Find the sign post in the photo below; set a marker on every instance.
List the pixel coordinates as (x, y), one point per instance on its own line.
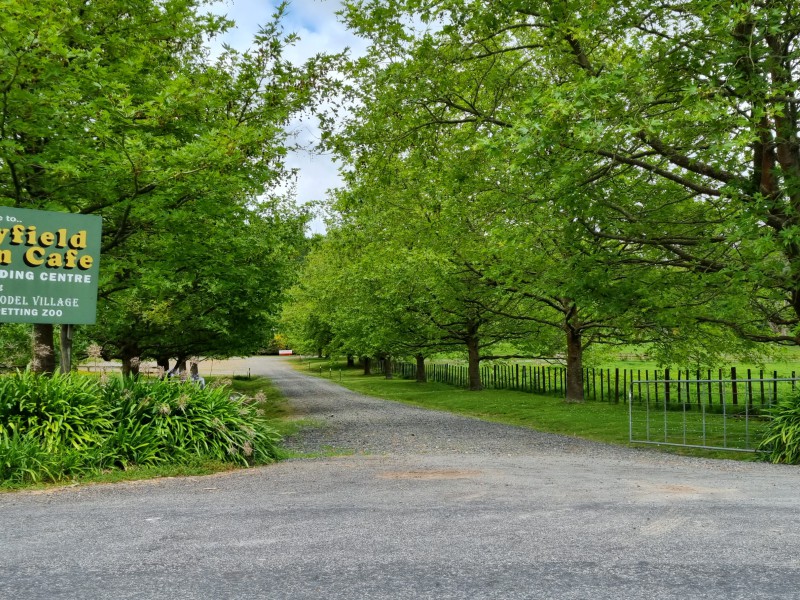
(49, 266)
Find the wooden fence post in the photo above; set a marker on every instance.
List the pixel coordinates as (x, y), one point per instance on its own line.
(775, 385)
(601, 385)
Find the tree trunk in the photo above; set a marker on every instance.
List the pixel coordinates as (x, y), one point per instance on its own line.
(387, 367)
(422, 376)
(44, 353)
(180, 368)
(574, 365)
(474, 365)
(126, 366)
(319, 352)
(163, 364)
(66, 348)
(130, 366)
(351, 360)
(367, 365)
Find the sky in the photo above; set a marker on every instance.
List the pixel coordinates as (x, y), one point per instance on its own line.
(316, 24)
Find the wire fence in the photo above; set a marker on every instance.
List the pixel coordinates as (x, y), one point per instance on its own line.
(723, 414)
(607, 384)
(711, 409)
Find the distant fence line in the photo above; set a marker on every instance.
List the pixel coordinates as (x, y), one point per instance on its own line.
(538, 379)
(679, 386)
(725, 409)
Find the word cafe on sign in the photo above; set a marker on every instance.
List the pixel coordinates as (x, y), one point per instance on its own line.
(49, 266)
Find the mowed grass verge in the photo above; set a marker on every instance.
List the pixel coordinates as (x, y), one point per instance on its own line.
(598, 421)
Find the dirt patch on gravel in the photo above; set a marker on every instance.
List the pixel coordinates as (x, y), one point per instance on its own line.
(428, 474)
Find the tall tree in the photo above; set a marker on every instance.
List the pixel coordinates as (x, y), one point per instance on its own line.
(517, 252)
(676, 124)
(213, 289)
(114, 108)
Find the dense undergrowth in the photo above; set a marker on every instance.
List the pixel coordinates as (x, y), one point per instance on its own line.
(71, 426)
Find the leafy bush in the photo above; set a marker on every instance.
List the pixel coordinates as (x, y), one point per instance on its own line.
(57, 427)
(60, 410)
(23, 459)
(15, 344)
(165, 421)
(782, 438)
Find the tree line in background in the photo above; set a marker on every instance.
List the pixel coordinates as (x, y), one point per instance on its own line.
(542, 176)
(117, 109)
(555, 175)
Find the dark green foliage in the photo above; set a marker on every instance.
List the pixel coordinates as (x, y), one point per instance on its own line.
(60, 411)
(168, 421)
(15, 344)
(24, 459)
(68, 426)
(782, 440)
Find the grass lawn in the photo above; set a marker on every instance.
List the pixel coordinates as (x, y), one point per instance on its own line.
(599, 421)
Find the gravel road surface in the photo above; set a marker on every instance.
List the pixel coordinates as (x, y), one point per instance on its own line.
(431, 505)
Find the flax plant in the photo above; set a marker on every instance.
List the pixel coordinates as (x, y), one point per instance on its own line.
(66, 426)
(782, 439)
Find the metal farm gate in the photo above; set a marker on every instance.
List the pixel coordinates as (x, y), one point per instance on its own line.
(718, 414)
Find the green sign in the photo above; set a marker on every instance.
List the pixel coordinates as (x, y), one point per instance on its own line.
(49, 266)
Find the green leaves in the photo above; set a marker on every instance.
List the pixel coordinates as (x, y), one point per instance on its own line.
(58, 410)
(165, 421)
(782, 440)
(664, 133)
(66, 426)
(114, 108)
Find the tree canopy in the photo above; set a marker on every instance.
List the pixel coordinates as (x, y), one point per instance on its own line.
(116, 108)
(628, 171)
(669, 129)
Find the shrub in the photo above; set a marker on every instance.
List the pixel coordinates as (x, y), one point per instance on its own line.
(59, 411)
(23, 459)
(167, 421)
(65, 426)
(782, 438)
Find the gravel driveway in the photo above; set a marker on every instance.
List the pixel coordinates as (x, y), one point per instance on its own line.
(431, 505)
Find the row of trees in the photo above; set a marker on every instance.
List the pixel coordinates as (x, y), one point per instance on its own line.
(116, 108)
(561, 174)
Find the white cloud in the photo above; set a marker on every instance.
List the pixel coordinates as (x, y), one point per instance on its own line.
(315, 22)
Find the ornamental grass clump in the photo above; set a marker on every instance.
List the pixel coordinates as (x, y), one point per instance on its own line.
(66, 426)
(59, 411)
(167, 421)
(782, 438)
(49, 427)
